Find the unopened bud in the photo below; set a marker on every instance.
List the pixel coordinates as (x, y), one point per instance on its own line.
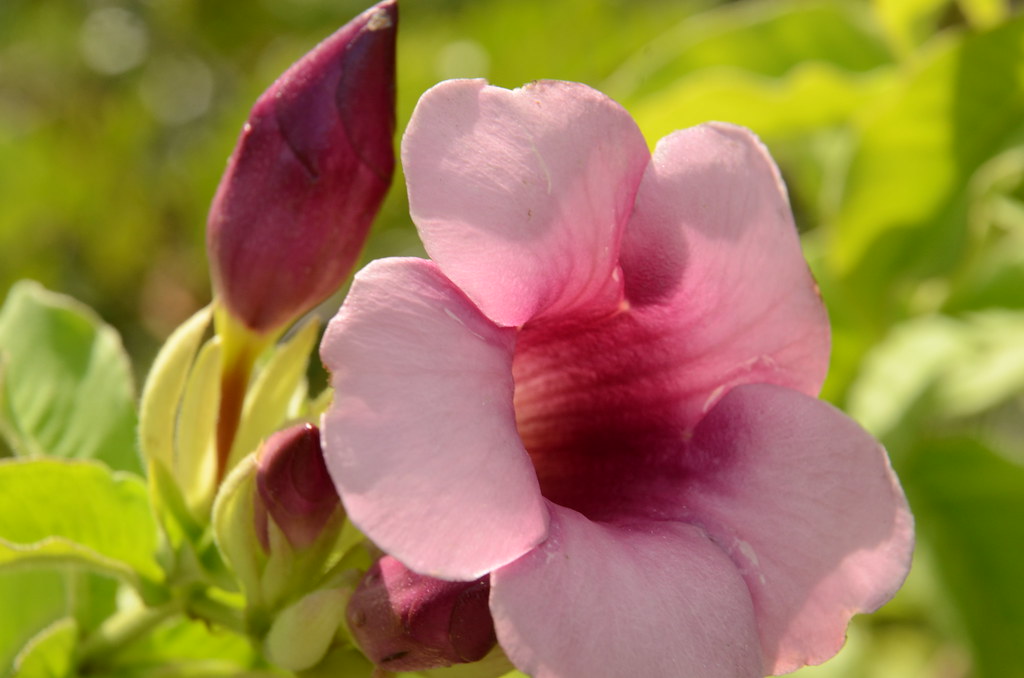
(405, 621)
(307, 177)
(294, 488)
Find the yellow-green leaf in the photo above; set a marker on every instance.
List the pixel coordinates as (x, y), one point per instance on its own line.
(55, 511)
(67, 382)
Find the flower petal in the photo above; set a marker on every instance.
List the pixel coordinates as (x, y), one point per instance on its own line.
(711, 256)
(520, 196)
(806, 504)
(656, 599)
(421, 439)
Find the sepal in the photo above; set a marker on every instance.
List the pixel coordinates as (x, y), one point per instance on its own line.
(234, 529)
(278, 392)
(165, 385)
(302, 632)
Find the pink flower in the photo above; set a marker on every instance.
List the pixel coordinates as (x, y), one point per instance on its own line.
(307, 177)
(601, 392)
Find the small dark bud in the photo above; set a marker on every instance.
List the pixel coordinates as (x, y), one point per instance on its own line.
(293, 487)
(405, 621)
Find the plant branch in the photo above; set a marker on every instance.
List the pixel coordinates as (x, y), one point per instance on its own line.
(124, 627)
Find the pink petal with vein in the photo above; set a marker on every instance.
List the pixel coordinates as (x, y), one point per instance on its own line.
(421, 439)
(520, 196)
(805, 503)
(655, 599)
(711, 258)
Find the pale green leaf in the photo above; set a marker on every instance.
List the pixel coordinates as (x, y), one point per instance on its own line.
(937, 366)
(79, 513)
(31, 600)
(50, 653)
(811, 95)
(990, 368)
(67, 383)
(762, 38)
(900, 370)
(58, 552)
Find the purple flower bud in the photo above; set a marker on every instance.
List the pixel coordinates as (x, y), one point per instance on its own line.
(293, 487)
(405, 621)
(307, 177)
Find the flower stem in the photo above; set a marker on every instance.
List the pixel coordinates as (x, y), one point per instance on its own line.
(219, 613)
(242, 346)
(234, 381)
(122, 628)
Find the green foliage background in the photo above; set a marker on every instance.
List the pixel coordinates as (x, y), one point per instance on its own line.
(898, 124)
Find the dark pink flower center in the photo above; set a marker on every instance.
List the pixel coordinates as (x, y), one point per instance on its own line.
(596, 406)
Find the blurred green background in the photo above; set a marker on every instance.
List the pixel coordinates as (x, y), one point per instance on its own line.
(898, 124)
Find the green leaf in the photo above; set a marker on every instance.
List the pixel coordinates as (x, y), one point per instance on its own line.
(908, 23)
(67, 384)
(995, 279)
(805, 117)
(33, 599)
(968, 501)
(994, 275)
(811, 95)
(78, 513)
(185, 647)
(50, 654)
(898, 372)
(767, 39)
(904, 214)
(991, 368)
(30, 600)
(985, 13)
(936, 367)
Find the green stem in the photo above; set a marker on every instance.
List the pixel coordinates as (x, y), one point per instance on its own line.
(218, 613)
(123, 628)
